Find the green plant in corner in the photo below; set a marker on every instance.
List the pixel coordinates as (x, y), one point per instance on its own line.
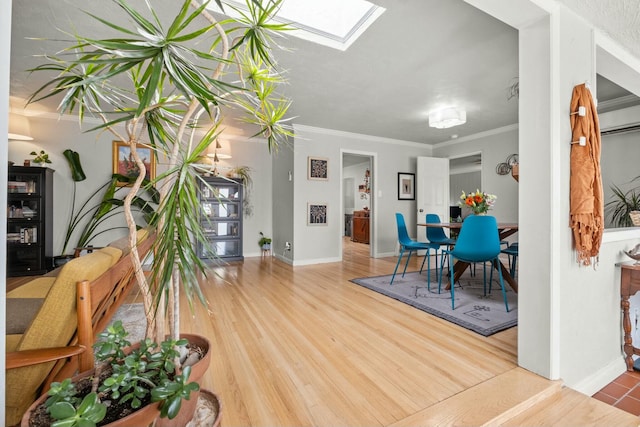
(41, 157)
(151, 85)
(264, 242)
(623, 203)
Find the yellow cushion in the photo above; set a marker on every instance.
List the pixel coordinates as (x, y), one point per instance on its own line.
(36, 288)
(11, 341)
(53, 326)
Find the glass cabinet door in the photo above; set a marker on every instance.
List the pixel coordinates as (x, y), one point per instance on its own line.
(221, 219)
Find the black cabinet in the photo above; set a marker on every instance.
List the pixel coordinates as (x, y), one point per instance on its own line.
(29, 220)
(221, 218)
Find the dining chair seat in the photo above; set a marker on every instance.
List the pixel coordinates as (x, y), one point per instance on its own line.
(409, 245)
(478, 241)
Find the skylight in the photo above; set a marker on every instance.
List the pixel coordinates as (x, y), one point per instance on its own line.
(333, 23)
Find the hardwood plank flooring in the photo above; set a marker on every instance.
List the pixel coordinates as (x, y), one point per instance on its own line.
(304, 346)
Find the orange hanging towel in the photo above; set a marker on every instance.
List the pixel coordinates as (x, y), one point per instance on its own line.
(587, 206)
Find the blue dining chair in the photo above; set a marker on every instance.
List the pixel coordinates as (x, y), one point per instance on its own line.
(512, 252)
(437, 235)
(478, 241)
(410, 245)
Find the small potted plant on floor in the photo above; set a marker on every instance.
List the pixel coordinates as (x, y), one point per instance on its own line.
(264, 242)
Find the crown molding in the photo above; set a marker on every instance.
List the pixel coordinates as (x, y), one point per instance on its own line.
(345, 134)
(496, 131)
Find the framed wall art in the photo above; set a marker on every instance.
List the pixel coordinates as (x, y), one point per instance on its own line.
(316, 214)
(318, 168)
(406, 186)
(124, 164)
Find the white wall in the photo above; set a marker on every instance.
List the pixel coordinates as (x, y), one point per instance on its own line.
(282, 177)
(315, 244)
(495, 146)
(620, 154)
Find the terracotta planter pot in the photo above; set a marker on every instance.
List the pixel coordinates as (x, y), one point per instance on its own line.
(209, 410)
(141, 417)
(151, 412)
(188, 407)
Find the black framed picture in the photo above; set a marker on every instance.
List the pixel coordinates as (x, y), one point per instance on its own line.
(318, 168)
(316, 214)
(406, 186)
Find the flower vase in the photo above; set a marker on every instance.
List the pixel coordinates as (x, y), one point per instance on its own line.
(481, 214)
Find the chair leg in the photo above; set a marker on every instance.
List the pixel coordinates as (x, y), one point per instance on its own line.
(423, 260)
(504, 293)
(452, 279)
(407, 263)
(428, 255)
(442, 257)
(397, 264)
(484, 278)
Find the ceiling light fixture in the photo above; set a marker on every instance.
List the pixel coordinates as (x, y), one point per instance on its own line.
(19, 128)
(447, 117)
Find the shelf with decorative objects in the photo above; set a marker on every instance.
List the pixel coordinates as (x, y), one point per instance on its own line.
(29, 220)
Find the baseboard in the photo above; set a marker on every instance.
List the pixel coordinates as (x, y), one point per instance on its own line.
(315, 261)
(594, 383)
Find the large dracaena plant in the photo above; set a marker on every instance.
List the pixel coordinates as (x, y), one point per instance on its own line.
(173, 101)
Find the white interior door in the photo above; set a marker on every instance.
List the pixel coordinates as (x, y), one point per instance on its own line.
(432, 191)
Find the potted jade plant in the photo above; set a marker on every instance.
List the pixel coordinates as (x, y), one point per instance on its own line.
(166, 87)
(126, 378)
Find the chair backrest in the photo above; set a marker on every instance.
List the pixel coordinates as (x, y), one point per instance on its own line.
(435, 234)
(403, 236)
(478, 239)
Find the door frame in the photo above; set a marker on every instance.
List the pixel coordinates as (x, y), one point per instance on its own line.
(373, 223)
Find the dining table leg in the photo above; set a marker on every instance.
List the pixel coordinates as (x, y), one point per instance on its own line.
(506, 275)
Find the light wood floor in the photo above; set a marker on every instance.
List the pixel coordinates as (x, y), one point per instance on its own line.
(303, 346)
(297, 346)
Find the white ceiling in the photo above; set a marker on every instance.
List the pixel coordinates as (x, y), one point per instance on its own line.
(418, 56)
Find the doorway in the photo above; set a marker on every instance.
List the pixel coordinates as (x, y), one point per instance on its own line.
(465, 174)
(357, 200)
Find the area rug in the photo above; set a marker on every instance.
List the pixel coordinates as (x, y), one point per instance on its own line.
(484, 315)
(133, 320)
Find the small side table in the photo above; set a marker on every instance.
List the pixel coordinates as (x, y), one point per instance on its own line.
(266, 252)
(629, 285)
